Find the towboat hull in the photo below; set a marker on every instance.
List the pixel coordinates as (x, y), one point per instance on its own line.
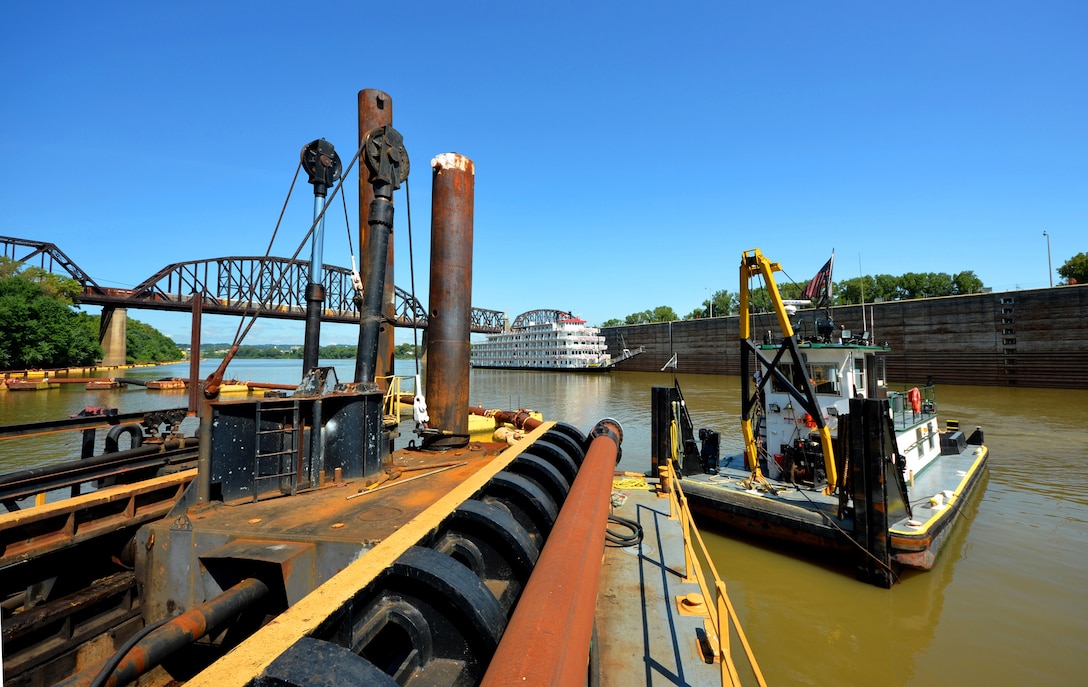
(810, 518)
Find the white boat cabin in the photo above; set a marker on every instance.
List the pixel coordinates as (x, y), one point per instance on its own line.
(840, 370)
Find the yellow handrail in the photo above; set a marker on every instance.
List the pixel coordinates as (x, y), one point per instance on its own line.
(694, 565)
(392, 403)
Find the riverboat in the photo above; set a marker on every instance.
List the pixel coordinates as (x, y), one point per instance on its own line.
(833, 458)
(550, 340)
(297, 540)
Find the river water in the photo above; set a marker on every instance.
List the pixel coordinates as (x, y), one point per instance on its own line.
(1006, 604)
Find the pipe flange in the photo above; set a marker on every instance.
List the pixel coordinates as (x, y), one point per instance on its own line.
(612, 429)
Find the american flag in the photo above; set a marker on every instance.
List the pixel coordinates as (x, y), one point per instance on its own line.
(821, 283)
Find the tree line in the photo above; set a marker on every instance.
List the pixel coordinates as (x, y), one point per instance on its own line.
(868, 289)
(40, 327)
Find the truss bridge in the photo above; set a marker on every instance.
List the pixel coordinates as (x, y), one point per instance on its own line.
(239, 285)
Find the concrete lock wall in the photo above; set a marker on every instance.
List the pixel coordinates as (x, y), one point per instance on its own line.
(1032, 338)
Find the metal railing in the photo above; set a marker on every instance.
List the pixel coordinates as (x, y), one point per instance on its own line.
(393, 403)
(904, 412)
(699, 567)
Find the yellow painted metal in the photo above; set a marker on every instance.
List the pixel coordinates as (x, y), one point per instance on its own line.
(980, 458)
(829, 459)
(752, 264)
(722, 616)
(254, 655)
(751, 458)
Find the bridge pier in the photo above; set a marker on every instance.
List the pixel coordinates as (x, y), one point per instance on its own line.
(113, 335)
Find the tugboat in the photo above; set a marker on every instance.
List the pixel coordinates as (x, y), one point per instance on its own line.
(833, 458)
(306, 547)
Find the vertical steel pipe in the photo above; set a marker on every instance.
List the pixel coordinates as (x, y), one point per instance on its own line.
(367, 357)
(376, 110)
(450, 317)
(194, 353)
(548, 638)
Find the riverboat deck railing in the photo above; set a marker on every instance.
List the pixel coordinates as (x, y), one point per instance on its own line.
(723, 623)
(913, 406)
(393, 404)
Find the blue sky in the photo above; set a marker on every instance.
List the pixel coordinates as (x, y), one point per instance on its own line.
(626, 152)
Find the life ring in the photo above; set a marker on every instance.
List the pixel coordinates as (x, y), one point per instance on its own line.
(915, 398)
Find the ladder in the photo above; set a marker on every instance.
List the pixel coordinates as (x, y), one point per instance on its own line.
(281, 437)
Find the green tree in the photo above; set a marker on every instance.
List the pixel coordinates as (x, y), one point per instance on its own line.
(612, 323)
(856, 290)
(661, 313)
(1075, 269)
(910, 285)
(39, 330)
(720, 304)
(64, 289)
(145, 344)
(966, 282)
(759, 300)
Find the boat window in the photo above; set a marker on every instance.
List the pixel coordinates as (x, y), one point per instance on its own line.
(787, 370)
(825, 378)
(859, 377)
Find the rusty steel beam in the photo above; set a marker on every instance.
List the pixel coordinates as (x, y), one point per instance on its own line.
(90, 421)
(33, 532)
(518, 418)
(38, 480)
(548, 637)
(448, 347)
(177, 633)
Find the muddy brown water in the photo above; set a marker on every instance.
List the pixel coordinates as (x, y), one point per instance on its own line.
(1006, 604)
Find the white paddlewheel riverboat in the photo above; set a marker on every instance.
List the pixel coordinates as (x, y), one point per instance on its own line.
(544, 340)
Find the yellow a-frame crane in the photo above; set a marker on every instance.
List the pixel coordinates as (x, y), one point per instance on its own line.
(754, 264)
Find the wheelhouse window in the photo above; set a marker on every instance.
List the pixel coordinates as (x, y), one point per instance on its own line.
(824, 378)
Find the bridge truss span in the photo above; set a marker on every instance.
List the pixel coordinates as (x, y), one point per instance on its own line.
(266, 286)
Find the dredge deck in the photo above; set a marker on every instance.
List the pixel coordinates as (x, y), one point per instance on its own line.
(649, 631)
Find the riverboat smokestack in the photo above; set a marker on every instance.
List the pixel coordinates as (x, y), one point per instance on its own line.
(449, 319)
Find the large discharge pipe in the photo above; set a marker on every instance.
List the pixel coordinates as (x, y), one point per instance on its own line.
(548, 638)
(449, 320)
